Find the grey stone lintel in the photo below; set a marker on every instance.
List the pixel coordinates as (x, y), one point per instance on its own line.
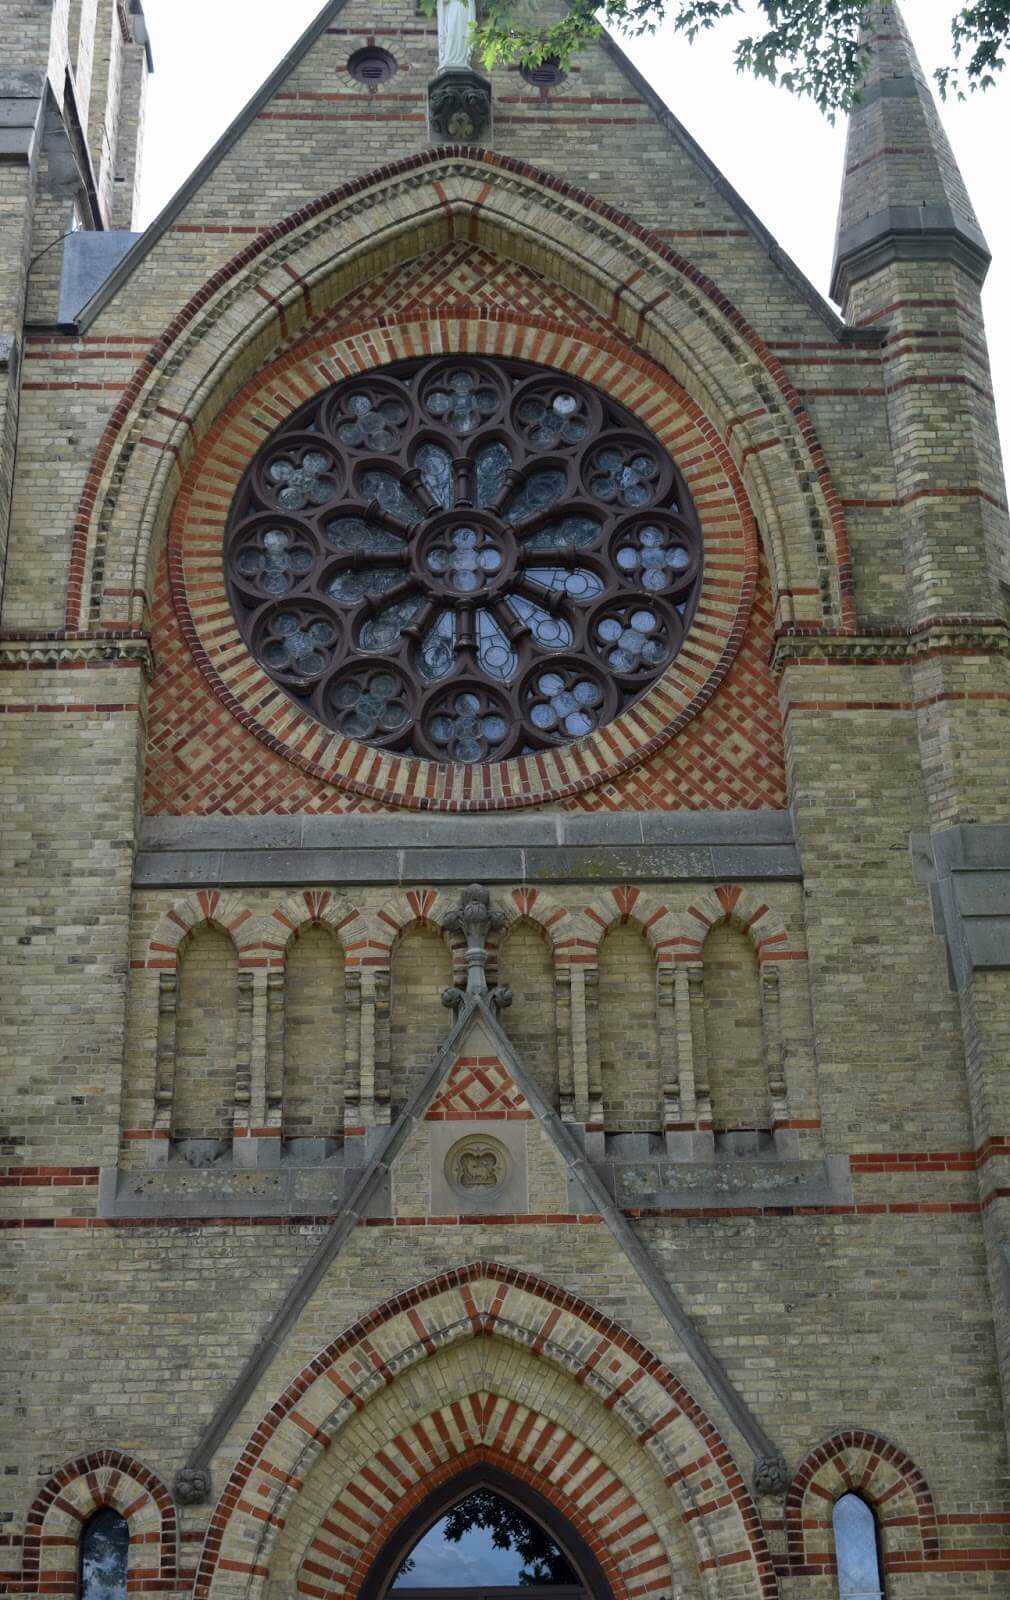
(967, 868)
(542, 847)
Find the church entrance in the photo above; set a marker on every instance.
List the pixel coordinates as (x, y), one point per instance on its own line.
(486, 1536)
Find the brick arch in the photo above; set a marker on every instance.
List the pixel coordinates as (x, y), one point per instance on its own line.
(626, 906)
(426, 908)
(626, 1544)
(69, 1499)
(485, 1299)
(743, 910)
(268, 290)
(287, 921)
(206, 908)
(862, 1462)
(532, 905)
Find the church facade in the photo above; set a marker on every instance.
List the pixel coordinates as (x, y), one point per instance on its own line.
(505, 889)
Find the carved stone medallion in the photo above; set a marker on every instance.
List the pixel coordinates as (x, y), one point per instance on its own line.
(477, 1162)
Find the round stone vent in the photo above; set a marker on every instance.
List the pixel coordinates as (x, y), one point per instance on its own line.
(371, 66)
(545, 75)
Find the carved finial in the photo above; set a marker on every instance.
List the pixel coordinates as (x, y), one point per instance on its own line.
(192, 1486)
(475, 918)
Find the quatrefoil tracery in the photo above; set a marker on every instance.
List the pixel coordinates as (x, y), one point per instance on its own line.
(463, 559)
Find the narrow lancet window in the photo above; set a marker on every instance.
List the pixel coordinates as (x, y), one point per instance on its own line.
(105, 1548)
(857, 1550)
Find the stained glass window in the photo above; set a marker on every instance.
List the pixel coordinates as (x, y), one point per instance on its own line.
(463, 559)
(857, 1550)
(105, 1548)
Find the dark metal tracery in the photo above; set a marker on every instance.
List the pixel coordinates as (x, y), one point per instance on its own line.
(463, 559)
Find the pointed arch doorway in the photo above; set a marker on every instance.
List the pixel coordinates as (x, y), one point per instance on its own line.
(485, 1535)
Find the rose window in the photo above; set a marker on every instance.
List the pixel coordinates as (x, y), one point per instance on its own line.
(463, 559)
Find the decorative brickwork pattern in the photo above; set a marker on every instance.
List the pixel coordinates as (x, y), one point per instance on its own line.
(479, 1088)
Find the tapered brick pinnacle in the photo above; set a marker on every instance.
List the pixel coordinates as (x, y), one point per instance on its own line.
(903, 197)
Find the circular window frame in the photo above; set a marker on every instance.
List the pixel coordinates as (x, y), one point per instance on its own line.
(333, 515)
(200, 601)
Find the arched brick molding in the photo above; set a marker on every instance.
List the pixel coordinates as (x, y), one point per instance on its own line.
(293, 271)
(306, 909)
(625, 905)
(861, 1462)
(553, 920)
(427, 907)
(208, 907)
(494, 1430)
(361, 1367)
(764, 926)
(71, 1497)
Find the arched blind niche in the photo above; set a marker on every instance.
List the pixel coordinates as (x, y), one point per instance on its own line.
(421, 968)
(736, 1072)
(105, 1548)
(314, 1015)
(206, 1037)
(857, 1550)
(525, 963)
(629, 1034)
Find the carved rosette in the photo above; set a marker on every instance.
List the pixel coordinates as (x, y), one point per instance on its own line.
(459, 105)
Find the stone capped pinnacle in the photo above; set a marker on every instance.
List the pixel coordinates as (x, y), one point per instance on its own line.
(903, 197)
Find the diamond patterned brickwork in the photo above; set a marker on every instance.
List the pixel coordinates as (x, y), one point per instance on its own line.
(203, 759)
(479, 1088)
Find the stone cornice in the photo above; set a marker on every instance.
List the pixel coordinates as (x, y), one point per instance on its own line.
(63, 651)
(893, 646)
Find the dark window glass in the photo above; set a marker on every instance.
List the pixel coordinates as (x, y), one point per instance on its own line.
(857, 1550)
(105, 1548)
(418, 554)
(485, 1541)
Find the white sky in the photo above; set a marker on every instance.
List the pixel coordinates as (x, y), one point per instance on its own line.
(779, 153)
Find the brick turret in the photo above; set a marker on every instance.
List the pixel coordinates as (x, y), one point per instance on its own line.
(910, 258)
(903, 197)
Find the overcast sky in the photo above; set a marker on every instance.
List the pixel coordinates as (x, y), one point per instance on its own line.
(781, 155)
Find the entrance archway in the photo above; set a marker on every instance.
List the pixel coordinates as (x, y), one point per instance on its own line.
(573, 1559)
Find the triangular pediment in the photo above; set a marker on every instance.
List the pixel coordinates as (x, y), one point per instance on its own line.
(310, 123)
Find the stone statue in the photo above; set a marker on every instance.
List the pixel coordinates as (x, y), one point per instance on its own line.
(455, 20)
